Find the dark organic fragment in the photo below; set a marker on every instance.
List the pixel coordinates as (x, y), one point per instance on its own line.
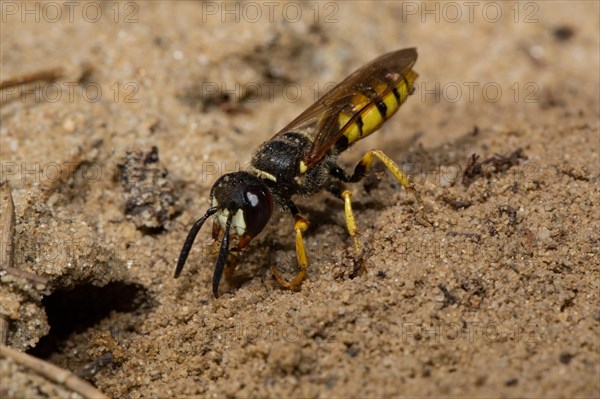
(499, 163)
(150, 200)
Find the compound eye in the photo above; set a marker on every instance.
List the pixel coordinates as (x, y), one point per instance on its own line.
(258, 206)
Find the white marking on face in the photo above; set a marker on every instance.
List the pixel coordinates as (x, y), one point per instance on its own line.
(222, 216)
(238, 224)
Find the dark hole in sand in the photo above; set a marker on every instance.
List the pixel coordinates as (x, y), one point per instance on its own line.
(75, 310)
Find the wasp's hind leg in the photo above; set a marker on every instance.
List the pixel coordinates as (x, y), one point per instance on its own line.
(363, 167)
(360, 171)
(346, 196)
(300, 226)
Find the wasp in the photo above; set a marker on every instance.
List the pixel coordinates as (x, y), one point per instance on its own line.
(301, 160)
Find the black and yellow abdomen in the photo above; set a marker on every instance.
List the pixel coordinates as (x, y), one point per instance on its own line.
(369, 110)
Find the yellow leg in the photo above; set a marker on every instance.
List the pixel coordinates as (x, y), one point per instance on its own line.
(300, 226)
(361, 169)
(351, 226)
(350, 222)
(365, 165)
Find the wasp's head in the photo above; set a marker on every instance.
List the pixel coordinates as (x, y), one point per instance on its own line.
(243, 198)
(240, 201)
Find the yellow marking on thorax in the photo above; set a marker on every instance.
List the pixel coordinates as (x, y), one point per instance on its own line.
(302, 167)
(261, 174)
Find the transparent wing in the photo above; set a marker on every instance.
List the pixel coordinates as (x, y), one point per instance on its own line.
(321, 120)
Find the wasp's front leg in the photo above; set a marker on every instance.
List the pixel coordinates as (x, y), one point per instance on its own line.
(300, 226)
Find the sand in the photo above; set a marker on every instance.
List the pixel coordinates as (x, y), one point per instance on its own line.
(490, 289)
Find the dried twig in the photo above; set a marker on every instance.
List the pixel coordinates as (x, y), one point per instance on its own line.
(50, 75)
(3, 330)
(7, 232)
(7, 226)
(7, 250)
(53, 373)
(7, 237)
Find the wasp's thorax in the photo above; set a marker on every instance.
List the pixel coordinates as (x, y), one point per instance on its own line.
(245, 199)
